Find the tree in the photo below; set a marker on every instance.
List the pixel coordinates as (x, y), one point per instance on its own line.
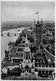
(18, 39)
(6, 55)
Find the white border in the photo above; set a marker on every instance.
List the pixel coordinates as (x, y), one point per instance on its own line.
(55, 32)
(28, 0)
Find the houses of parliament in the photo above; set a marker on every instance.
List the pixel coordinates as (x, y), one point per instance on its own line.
(29, 55)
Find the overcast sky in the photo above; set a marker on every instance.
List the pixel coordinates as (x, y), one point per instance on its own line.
(25, 11)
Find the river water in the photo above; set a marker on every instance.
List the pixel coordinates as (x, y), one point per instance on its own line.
(6, 39)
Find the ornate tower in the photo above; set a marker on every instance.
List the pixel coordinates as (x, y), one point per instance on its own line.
(38, 33)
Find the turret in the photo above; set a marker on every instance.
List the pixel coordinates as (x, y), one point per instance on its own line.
(34, 22)
(37, 21)
(41, 21)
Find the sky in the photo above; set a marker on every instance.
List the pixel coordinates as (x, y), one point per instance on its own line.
(25, 11)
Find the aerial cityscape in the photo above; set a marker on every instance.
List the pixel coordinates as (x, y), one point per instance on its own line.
(27, 45)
